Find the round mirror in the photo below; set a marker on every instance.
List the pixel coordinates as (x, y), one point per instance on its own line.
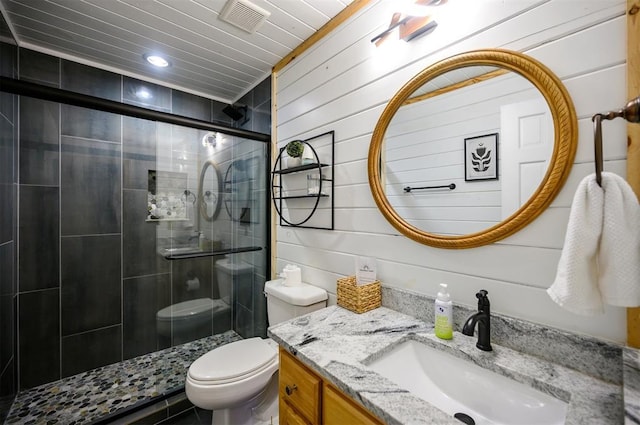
(210, 188)
(472, 149)
(238, 187)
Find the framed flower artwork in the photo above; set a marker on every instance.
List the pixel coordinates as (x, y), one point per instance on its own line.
(481, 157)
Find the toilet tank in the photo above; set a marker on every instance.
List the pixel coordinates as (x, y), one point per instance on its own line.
(287, 302)
(226, 271)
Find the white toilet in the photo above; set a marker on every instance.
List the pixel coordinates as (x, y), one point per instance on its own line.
(190, 320)
(239, 381)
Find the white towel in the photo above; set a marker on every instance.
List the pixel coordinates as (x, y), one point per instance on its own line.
(600, 261)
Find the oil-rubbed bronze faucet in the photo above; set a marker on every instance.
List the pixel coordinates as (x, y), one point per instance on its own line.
(483, 319)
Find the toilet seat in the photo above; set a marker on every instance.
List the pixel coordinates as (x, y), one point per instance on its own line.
(233, 362)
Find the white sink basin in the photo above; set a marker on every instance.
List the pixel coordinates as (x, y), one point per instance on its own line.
(458, 386)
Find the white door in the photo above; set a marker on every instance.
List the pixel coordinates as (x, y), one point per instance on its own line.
(526, 144)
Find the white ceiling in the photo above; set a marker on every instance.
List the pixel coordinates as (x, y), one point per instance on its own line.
(209, 57)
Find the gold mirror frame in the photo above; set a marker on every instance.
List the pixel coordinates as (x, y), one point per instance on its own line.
(565, 144)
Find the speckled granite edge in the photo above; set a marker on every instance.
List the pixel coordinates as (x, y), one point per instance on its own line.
(585, 354)
(339, 345)
(631, 370)
(99, 393)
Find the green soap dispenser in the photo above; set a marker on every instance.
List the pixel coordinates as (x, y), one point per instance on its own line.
(444, 314)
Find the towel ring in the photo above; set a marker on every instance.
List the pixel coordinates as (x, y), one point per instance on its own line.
(631, 113)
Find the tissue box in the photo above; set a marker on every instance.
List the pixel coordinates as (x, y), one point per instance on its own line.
(358, 298)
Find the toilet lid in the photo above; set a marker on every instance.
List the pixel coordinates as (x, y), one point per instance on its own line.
(302, 294)
(233, 361)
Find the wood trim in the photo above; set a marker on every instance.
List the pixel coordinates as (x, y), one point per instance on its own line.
(633, 137)
(274, 155)
(345, 14)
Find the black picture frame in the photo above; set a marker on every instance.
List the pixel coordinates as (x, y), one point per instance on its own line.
(481, 157)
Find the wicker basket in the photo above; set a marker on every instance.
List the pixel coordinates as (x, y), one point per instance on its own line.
(358, 298)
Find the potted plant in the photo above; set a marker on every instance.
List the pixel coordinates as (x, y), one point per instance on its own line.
(294, 150)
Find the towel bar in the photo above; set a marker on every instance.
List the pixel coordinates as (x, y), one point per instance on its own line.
(631, 113)
(446, 186)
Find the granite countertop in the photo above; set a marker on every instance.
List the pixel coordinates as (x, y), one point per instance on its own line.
(338, 344)
(631, 370)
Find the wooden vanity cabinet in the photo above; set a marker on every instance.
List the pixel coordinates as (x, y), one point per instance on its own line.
(300, 392)
(289, 416)
(306, 399)
(340, 409)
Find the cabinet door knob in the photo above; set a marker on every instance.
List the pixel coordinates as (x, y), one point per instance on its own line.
(290, 389)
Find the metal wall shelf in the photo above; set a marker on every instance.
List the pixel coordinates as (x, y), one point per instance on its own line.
(322, 195)
(299, 168)
(277, 190)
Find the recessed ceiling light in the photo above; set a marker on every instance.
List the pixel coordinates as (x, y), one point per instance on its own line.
(156, 60)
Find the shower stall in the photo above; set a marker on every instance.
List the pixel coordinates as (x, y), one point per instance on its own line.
(141, 221)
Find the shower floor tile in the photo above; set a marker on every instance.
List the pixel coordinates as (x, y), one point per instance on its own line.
(92, 395)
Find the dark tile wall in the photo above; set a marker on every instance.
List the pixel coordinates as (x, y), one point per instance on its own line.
(89, 350)
(39, 328)
(251, 309)
(188, 105)
(148, 95)
(259, 108)
(139, 242)
(91, 194)
(39, 238)
(143, 297)
(91, 280)
(90, 296)
(8, 225)
(139, 144)
(39, 142)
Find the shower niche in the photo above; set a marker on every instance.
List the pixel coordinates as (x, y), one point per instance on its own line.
(167, 196)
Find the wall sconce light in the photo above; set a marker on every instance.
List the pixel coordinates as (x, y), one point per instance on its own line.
(416, 22)
(211, 139)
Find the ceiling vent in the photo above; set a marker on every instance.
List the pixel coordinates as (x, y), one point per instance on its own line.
(244, 15)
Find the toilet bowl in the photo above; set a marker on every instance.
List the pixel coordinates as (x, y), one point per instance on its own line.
(189, 320)
(193, 319)
(233, 379)
(239, 380)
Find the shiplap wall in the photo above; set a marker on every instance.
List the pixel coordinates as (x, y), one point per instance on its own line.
(343, 83)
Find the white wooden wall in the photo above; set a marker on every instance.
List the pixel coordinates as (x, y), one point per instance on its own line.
(343, 83)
